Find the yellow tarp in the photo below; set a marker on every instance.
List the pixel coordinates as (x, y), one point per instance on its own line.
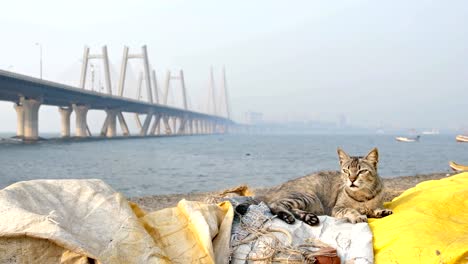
(429, 224)
(85, 221)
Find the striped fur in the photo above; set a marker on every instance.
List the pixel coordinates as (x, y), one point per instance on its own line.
(353, 194)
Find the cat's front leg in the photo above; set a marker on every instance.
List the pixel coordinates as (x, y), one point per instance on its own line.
(306, 217)
(349, 214)
(379, 213)
(282, 212)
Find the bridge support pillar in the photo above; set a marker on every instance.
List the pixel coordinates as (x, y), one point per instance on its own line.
(123, 124)
(188, 127)
(192, 127)
(174, 124)
(104, 126)
(111, 122)
(81, 112)
(205, 127)
(182, 126)
(145, 127)
(65, 113)
(197, 126)
(31, 116)
(19, 120)
(138, 122)
(167, 127)
(155, 128)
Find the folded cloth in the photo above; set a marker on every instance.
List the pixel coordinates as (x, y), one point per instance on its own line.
(429, 224)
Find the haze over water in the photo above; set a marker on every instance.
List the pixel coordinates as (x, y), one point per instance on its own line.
(381, 64)
(165, 165)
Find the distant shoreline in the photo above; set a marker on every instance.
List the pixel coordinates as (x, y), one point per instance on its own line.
(393, 187)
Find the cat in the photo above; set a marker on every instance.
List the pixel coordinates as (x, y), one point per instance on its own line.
(353, 194)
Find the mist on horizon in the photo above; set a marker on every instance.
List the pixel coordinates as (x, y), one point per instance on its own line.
(392, 65)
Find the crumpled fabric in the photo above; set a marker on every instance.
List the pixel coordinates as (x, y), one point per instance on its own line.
(193, 232)
(429, 224)
(86, 221)
(264, 235)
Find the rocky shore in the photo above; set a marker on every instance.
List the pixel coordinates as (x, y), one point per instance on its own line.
(393, 188)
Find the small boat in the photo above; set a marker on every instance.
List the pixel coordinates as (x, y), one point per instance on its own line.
(461, 138)
(408, 139)
(457, 167)
(431, 132)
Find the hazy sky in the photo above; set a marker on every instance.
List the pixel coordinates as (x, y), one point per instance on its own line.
(392, 63)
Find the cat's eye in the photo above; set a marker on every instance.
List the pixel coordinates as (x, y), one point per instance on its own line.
(346, 171)
(362, 171)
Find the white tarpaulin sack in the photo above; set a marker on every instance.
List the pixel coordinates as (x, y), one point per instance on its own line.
(71, 221)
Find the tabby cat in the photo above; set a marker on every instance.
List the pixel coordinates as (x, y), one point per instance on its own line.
(353, 194)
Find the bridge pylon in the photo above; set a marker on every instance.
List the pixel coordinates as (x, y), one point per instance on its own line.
(146, 69)
(217, 103)
(183, 120)
(108, 128)
(148, 77)
(105, 60)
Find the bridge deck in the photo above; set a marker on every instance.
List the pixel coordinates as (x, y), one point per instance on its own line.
(13, 85)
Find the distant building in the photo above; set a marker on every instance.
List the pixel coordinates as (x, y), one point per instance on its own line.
(342, 121)
(253, 118)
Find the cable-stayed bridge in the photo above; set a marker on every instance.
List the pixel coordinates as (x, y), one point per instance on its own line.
(29, 93)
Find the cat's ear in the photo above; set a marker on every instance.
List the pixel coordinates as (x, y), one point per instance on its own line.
(373, 156)
(342, 156)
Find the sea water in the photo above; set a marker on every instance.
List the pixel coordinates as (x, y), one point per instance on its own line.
(164, 165)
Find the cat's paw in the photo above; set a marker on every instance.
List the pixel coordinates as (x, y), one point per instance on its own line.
(379, 213)
(287, 217)
(356, 219)
(309, 218)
